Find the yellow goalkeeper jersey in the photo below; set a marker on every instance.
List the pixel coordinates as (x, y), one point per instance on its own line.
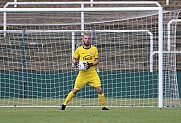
(87, 54)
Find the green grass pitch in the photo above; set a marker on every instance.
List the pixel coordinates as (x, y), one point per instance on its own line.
(90, 115)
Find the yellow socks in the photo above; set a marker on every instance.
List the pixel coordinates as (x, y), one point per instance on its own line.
(69, 97)
(102, 99)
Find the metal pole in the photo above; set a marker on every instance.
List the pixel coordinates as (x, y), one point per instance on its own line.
(15, 5)
(167, 2)
(91, 3)
(160, 64)
(82, 18)
(168, 32)
(22, 63)
(108, 9)
(73, 45)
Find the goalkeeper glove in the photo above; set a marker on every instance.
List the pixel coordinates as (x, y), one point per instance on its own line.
(85, 64)
(89, 65)
(77, 64)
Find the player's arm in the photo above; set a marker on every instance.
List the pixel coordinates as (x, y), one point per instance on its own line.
(95, 62)
(92, 64)
(76, 56)
(74, 60)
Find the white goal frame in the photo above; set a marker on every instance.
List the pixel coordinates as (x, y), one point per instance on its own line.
(111, 9)
(82, 5)
(168, 33)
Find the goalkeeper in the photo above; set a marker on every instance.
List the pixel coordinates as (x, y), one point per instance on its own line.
(88, 74)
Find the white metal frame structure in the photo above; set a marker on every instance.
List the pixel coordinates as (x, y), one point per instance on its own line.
(168, 33)
(82, 5)
(168, 43)
(110, 9)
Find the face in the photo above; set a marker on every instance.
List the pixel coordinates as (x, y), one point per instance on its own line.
(86, 40)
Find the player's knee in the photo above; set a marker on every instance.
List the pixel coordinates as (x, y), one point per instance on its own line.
(74, 91)
(99, 90)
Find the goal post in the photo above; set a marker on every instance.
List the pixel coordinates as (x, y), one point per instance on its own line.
(32, 41)
(124, 44)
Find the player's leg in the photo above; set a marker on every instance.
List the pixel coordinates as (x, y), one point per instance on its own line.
(101, 97)
(79, 83)
(69, 97)
(97, 84)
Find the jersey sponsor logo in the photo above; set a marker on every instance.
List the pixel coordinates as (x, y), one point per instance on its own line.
(88, 57)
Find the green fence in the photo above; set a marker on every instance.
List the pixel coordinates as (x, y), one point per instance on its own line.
(57, 85)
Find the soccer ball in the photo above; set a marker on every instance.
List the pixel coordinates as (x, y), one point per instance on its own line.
(82, 65)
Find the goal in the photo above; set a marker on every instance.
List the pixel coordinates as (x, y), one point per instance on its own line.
(36, 55)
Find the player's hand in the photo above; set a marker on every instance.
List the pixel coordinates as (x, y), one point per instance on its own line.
(76, 64)
(83, 65)
(89, 65)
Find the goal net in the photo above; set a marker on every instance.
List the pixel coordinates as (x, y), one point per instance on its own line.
(36, 58)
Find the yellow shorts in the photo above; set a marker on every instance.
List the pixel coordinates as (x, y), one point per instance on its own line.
(87, 77)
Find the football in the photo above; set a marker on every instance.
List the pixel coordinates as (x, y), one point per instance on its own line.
(82, 65)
